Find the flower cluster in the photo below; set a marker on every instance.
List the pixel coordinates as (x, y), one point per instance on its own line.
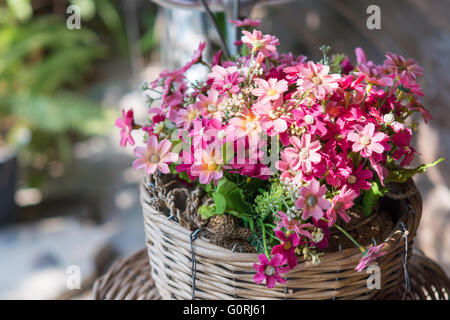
(284, 143)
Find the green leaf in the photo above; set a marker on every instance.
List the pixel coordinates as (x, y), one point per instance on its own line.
(371, 197)
(401, 175)
(207, 212)
(220, 201)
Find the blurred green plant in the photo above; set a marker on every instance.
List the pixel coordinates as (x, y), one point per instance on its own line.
(41, 62)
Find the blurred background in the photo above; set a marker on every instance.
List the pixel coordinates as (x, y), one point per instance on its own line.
(68, 193)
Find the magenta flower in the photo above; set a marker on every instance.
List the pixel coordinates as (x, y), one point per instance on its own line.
(340, 204)
(287, 247)
(366, 140)
(310, 118)
(312, 200)
(126, 125)
(304, 153)
(155, 157)
(402, 140)
(359, 179)
(269, 90)
(229, 83)
(315, 78)
(270, 270)
(369, 256)
(374, 74)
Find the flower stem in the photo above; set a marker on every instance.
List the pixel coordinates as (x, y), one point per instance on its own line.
(264, 238)
(347, 235)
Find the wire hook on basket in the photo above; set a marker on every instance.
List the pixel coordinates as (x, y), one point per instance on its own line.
(194, 236)
(405, 261)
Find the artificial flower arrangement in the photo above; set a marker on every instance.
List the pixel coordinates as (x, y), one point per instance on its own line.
(283, 143)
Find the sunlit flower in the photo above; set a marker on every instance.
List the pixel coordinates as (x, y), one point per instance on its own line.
(208, 167)
(266, 44)
(366, 140)
(369, 256)
(269, 90)
(304, 153)
(155, 156)
(126, 125)
(340, 204)
(315, 78)
(312, 200)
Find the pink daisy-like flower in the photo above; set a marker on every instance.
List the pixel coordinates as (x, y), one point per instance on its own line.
(287, 247)
(403, 67)
(270, 270)
(366, 140)
(209, 105)
(208, 166)
(126, 125)
(155, 156)
(369, 256)
(266, 44)
(304, 153)
(185, 117)
(270, 120)
(374, 75)
(293, 225)
(310, 118)
(229, 83)
(359, 179)
(312, 200)
(269, 90)
(247, 125)
(340, 204)
(315, 77)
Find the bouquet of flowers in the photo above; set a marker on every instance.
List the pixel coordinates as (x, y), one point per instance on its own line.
(283, 143)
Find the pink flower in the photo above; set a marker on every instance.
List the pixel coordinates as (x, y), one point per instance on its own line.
(209, 105)
(340, 204)
(269, 90)
(293, 225)
(312, 200)
(366, 140)
(208, 166)
(246, 23)
(310, 118)
(402, 140)
(266, 44)
(246, 125)
(403, 67)
(230, 83)
(185, 117)
(359, 179)
(304, 153)
(270, 271)
(374, 75)
(287, 247)
(126, 126)
(315, 77)
(369, 256)
(155, 157)
(271, 120)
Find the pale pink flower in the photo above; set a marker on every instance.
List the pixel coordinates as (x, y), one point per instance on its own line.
(369, 256)
(304, 153)
(312, 200)
(366, 140)
(293, 224)
(269, 90)
(266, 44)
(126, 125)
(208, 167)
(155, 156)
(185, 117)
(340, 204)
(209, 105)
(315, 77)
(245, 125)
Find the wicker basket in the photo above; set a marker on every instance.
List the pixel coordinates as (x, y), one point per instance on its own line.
(184, 267)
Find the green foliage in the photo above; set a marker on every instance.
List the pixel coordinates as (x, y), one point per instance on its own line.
(402, 174)
(228, 196)
(269, 202)
(207, 212)
(371, 197)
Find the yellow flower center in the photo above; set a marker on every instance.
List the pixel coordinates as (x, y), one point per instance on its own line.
(212, 166)
(317, 81)
(364, 140)
(272, 92)
(155, 158)
(287, 245)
